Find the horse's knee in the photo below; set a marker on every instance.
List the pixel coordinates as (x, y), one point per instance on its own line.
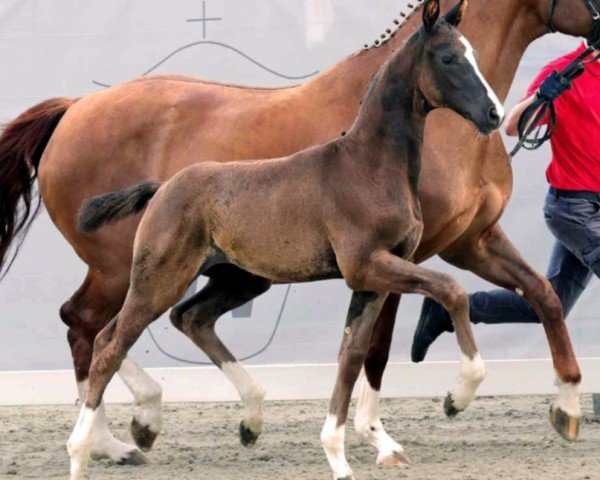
(176, 317)
(68, 314)
(191, 321)
(553, 305)
(454, 298)
(545, 295)
(357, 280)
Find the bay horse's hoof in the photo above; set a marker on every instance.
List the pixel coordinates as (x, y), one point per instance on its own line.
(247, 436)
(135, 458)
(449, 409)
(566, 425)
(395, 459)
(142, 435)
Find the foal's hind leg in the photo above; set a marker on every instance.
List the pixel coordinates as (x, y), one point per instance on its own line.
(367, 421)
(361, 319)
(228, 288)
(162, 270)
(86, 313)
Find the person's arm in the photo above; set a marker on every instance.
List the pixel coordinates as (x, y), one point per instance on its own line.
(548, 88)
(511, 127)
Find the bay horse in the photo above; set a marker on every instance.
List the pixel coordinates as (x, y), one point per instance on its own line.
(149, 129)
(346, 209)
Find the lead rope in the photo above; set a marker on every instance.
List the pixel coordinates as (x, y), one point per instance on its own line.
(532, 135)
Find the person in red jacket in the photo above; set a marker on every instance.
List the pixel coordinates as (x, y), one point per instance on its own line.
(571, 211)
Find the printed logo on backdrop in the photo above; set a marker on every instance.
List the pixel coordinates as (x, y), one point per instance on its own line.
(208, 21)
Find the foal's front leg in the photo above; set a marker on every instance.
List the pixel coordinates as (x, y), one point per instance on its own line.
(387, 272)
(361, 319)
(494, 258)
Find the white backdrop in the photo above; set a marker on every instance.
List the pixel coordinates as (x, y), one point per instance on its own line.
(68, 47)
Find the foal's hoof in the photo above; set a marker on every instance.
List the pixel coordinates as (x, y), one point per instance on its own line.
(395, 459)
(247, 436)
(142, 435)
(449, 409)
(564, 424)
(135, 458)
(346, 478)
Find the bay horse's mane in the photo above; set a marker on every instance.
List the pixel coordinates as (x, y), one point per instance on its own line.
(398, 24)
(381, 40)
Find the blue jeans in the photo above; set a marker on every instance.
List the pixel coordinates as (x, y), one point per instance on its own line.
(575, 223)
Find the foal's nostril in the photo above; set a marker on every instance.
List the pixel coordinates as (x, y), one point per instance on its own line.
(493, 115)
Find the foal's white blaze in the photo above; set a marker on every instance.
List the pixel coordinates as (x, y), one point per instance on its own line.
(470, 56)
(80, 443)
(332, 438)
(146, 392)
(104, 444)
(472, 373)
(251, 392)
(367, 422)
(568, 398)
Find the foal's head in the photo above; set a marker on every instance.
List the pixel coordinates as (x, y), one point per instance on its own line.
(449, 75)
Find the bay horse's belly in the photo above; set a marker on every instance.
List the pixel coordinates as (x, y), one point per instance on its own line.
(151, 129)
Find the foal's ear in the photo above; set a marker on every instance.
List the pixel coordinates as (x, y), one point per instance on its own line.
(431, 12)
(454, 16)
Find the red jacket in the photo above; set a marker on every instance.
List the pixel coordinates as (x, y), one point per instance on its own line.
(575, 144)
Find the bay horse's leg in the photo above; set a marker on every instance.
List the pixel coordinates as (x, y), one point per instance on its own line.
(367, 422)
(86, 313)
(387, 272)
(362, 316)
(494, 258)
(146, 423)
(228, 288)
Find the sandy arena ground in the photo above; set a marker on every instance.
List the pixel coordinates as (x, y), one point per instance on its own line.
(497, 438)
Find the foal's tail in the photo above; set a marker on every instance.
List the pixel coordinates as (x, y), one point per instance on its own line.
(112, 207)
(22, 143)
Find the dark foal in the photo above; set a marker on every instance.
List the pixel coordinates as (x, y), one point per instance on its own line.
(346, 209)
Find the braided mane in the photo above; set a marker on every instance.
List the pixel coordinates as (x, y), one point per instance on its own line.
(398, 24)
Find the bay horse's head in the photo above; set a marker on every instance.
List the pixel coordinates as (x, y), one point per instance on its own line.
(449, 75)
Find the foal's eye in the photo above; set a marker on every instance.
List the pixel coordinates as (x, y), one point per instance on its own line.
(447, 59)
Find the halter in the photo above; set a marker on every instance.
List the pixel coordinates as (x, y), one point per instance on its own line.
(531, 135)
(593, 7)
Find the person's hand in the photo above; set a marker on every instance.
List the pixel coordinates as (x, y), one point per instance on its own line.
(553, 86)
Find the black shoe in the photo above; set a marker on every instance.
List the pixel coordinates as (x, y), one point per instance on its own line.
(433, 321)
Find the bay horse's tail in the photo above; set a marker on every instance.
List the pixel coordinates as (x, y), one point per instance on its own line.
(22, 143)
(112, 207)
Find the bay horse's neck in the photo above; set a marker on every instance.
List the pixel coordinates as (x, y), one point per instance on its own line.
(500, 30)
